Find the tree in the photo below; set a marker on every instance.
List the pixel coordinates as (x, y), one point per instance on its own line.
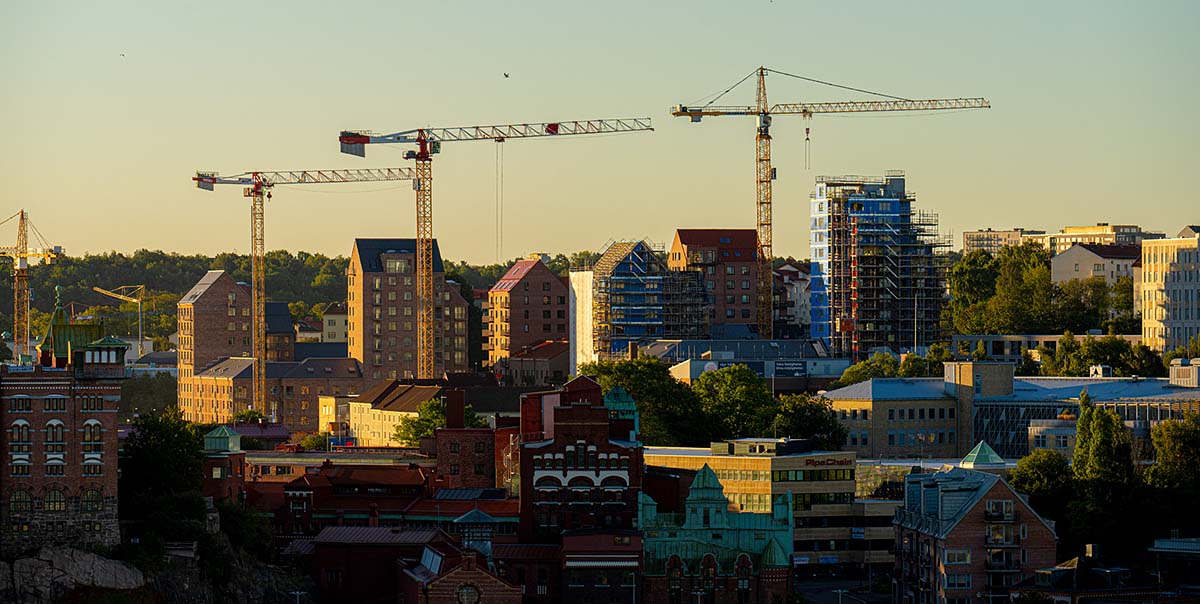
(248, 416)
(1103, 451)
(1045, 476)
(431, 415)
(669, 411)
(1176, 450)
(162, 457)
(1081, 304)
(879, 365)
(1189, 351)
(315, 442)
(811, 417)
(737, 402)
(972, 284)
(147, 394)
(980, 352)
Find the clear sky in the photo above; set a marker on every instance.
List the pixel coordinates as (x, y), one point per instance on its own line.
(1093, 116)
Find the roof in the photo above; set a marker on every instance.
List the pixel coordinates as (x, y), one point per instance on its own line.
(221, 431)
(393, 395)
(370, 250)
(279, 318)
(499, 510)
(465, 494)
(524, 551)
(305, 350)
(746, 239)
(242, 367)
(310, 324)
(267, 430)
(882, 389)
(162, 358)
(514, 275)
(982, 455)
(546, 349)
(1124, 252)
(201, 286)
(361, 474)
(1190, 230)
(62, 335)
(375, 535)
(475, 516)
(335, 308)
(324, 367)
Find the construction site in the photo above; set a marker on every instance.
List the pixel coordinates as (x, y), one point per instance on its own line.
(879, 271)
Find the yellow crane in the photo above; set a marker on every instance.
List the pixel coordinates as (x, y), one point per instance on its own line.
(129, 293)
(257, 186)
(21, 254)
(764, 173)
(429, 142)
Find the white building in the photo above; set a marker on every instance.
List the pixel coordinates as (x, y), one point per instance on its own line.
(1087, 260)
(1169, 295)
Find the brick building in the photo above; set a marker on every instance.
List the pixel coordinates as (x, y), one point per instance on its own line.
(965, 537)
(546, 363)
(58, 485)
(293, 389)
(469, 457)
(224, 465)
(526, 306)
(361, 564)
(349, 495)
(214, 323)
(446, 572)
(709, 550)
(726, 258)
(382, 307)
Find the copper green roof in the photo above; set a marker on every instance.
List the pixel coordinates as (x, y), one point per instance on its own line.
(619, 398)
(773, 554)
(982, 455)
(109, 341)
(61, 335)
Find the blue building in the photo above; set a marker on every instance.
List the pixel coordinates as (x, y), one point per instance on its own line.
(878, 280)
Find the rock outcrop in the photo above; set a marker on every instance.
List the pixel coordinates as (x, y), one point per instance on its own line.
(55, 571)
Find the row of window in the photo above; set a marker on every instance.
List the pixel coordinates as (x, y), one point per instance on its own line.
(918, 413)
(23, 404)
(913, 438)
(24, 470)
(811, 475)
(805, 501)
(55, 500)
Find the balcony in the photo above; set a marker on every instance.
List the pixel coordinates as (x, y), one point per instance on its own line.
(1000, 516)
(1000, 566)
(1001, 542)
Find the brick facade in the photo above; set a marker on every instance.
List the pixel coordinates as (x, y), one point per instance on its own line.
(293, 390)
(466, 457)
(382, 306)
(526, 306)
(726, 258)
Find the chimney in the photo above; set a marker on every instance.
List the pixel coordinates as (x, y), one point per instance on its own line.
(455, 408)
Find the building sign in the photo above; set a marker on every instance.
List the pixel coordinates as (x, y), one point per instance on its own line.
(758, 367)
(829, 461)
(791, 369)
(857, 532)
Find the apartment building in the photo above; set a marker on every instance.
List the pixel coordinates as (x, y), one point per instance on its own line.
(335, 323)
(1169, 292)
(992, 241)
(1087, 260)
(965, 537)
(374, 415)
(793, 303)
(1102, 233)
(293, 389)
(727, 260)
(58, 434)
(526, 306)
(382, 311)
(831, 526)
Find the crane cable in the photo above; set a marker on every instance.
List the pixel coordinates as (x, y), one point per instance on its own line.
(842, 86)
(499, 186)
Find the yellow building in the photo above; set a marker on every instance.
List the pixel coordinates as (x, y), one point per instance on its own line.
(374, 415)
(831, 526)
(1169, 292)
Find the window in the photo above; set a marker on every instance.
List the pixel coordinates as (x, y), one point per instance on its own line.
(958, 556)
(891, 414)
(479, 471)
(454, 469)
(454, 447)
(55, 501)
(957, 581)
(20, 502)
(1039, 441)
(479, 447)
(1060, 441)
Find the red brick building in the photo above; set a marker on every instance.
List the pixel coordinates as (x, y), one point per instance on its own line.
(58, 485)
(546, 363)
(362, 564)
(965, 537)
(224, 466)
(349, 495)
(293, 389)
(526, 306)
(381, 300)
(726, 258)
(452, 574)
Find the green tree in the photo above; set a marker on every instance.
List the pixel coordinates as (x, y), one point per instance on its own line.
(1189, 351)
(1145, 361)
(1081, 304)
(980, 352)
(669, 411)
(811, 417)
(1103, 451)
(879, 365)
(1176, 451)
(248, 416)
(1045, 476)
(1027, 366)
(162, 457)
(737, 402)
(431, 415)
(972, 284)
(147, 394)
(315, 442)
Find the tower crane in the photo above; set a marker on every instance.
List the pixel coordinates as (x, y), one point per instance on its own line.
(764, 173)
(429, 142)
(21, 254)
(257, 186)
(129, 293)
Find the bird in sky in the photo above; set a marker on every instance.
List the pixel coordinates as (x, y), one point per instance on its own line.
(505, 73)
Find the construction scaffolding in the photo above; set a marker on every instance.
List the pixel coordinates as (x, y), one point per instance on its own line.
(886, 267)
(637, 299)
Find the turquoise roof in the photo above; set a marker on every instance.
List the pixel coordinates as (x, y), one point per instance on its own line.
(476, 516)
(773, 555)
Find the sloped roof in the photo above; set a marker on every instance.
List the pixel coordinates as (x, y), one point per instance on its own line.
(982, 456)
(1122, 252)
(746, 239)
(1028, 389)
(881, 389)
(546, 349)
(161, 357)
(221, 431)
(243, 367)
(773, 554)
(514, 275)
(336, 308)
(201, 286)
(370, 250)
(612, 257)
(329, 350)
(392, 395)
(279, 318)
(381, 535)
(325, 367)
(475, 516)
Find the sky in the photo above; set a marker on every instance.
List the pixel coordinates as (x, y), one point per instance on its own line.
(107, 110)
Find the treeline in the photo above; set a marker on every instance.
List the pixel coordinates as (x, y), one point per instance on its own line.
(731, 402)
(1109, 493)
(1013, 293)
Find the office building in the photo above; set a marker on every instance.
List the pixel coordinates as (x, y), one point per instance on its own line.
(1087, 260)
(58, 431)
(1169, 292)
(526, 306)
(630, 296)
(382, 311)
(1102, 233)
(965, 537)
(992, 241)
(726, 258)
(878, 274)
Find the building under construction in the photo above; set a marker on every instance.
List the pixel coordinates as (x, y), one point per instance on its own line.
(878, 277)
(630, 296)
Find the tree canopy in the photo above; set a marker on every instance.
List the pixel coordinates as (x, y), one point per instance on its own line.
(669, 411)
(811, 417)
(431, 415)
(738, 402)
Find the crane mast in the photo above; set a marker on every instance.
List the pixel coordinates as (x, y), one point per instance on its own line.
(764, 173)
(429, 141)
(120, 294)
(257, 187)
(21, 254)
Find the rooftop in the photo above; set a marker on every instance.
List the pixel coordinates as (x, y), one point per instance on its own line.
(1025, 389)
(392, 395)
(1123, 252)
(745, 239)
(376, 535)
(370, 252)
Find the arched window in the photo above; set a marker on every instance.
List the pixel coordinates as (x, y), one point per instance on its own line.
(743, 571)
(708, 573)
(20, 432)
(93, 436)
(547, 482)
(613, 481)
(20, 502)
(581, 482)
(675, 572)
(91, 500)
(55, 501)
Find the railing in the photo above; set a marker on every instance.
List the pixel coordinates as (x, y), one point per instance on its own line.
(1001, 516)
(1011, 542)
(1001, 565)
